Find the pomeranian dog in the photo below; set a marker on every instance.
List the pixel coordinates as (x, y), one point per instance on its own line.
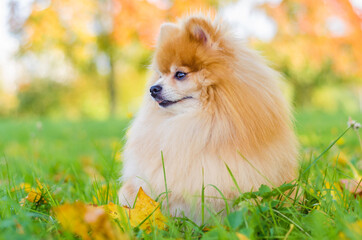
(210, 103)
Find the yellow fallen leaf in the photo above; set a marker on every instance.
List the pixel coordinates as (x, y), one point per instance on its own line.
(206, 229)
(146, 213)
(87, 221)
(113, 210)
(41, 187)
(38, 195)
(241, 236)
(34, 197)
(22, 186)
(71, 218)
(94, 222)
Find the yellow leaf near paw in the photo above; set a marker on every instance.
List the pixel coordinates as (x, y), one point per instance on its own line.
(94, 222)
(146, 213)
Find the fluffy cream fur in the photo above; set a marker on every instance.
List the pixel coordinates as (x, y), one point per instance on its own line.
(234, 104)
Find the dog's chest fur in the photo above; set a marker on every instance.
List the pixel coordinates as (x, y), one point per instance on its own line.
(191, 158)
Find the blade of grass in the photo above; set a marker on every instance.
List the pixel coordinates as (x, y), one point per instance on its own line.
(326, 150)
(54, 203)
(281, 193)
(233, 178)
(288, 233)
(9, 180)
(257, 170)
(291, 221)
(164, 177)
(359, 183)
(223, 197)
(144, 220)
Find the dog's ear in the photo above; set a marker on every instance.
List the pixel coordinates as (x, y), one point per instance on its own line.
(167, 29)
(199, 30)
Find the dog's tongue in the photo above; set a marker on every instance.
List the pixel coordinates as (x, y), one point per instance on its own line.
(159, 100)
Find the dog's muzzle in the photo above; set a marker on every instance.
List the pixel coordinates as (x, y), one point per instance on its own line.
(156, 94)
(156, 91)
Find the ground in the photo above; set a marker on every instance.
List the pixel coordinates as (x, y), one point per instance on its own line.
(69, 161)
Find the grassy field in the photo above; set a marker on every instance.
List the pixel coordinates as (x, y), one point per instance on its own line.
(79, 161)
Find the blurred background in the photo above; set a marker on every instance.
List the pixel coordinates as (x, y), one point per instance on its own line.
(73, 72)
(88, 58)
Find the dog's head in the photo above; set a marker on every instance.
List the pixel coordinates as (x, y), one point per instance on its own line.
(201, 66)
(187, 54)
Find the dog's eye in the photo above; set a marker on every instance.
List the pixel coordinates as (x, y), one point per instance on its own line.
(180, 75)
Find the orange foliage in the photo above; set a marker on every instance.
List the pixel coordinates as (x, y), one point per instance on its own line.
(181, 7)
(127, 19)
(144, 18)
(43, 26)
(306, 35)
(136, 17)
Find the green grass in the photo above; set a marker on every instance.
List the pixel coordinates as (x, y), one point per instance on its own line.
(74, 161)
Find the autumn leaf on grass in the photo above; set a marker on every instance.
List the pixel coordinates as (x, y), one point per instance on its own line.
(146, 213)
(114, 211)
(87, 221)
(119, 215)
(36, 197)
(241, 236)
(22, 186)
(94, 222)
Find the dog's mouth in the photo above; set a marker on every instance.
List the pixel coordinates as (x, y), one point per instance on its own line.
(166, 103)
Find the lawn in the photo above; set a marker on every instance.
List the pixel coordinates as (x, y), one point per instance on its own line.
(71, 161)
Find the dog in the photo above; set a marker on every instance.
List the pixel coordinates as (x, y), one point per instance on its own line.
(210, 104)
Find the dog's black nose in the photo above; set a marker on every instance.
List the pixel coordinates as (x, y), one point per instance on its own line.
(155, 90)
